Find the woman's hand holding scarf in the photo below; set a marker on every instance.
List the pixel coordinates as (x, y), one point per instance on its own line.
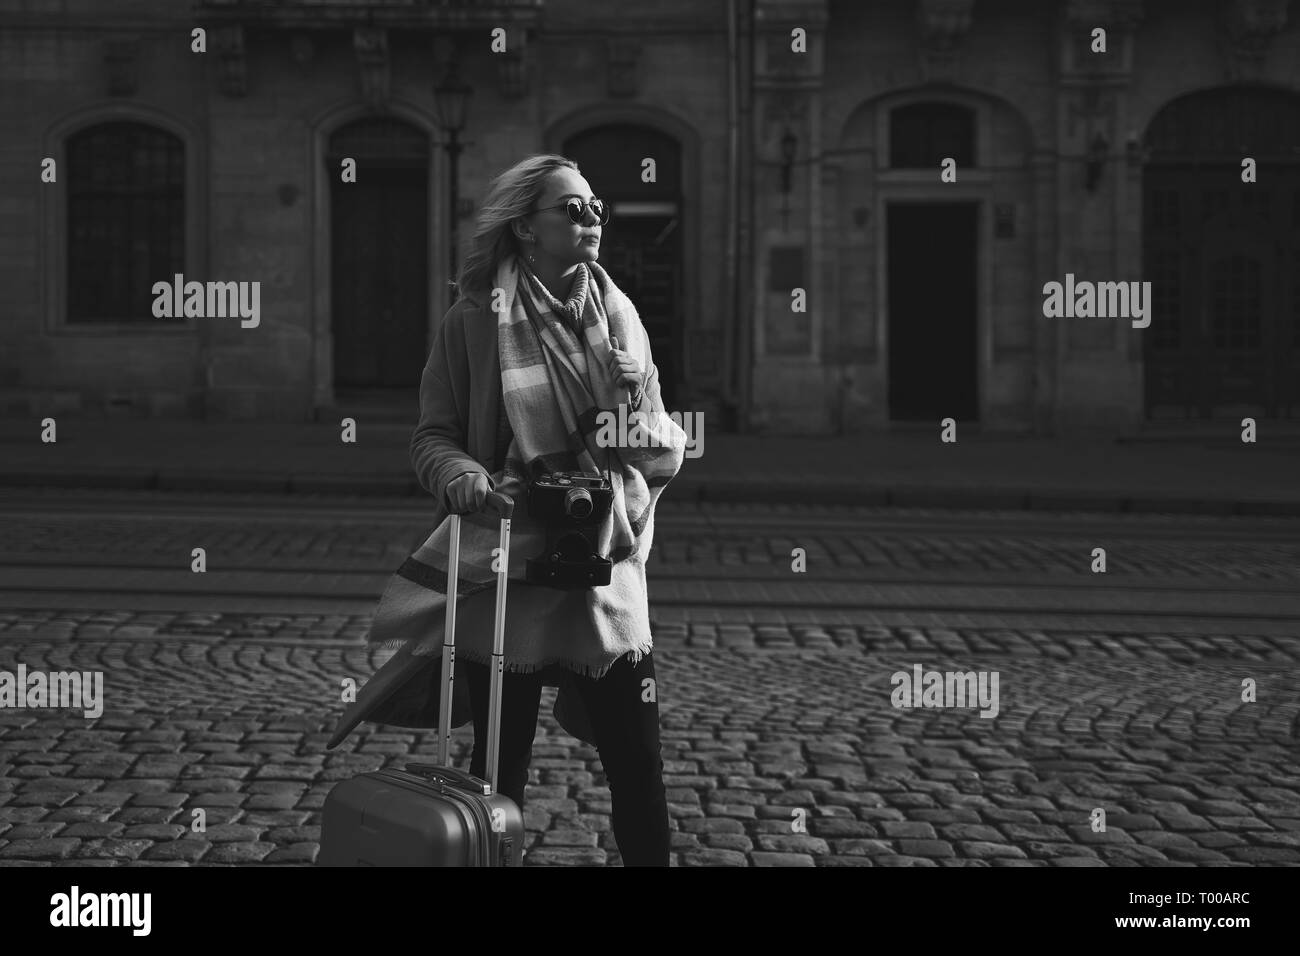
(626, 370)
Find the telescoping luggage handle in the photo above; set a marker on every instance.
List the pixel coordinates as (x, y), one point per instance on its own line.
(505, 507)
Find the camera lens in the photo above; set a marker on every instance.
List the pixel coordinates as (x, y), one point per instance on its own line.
(577, 503)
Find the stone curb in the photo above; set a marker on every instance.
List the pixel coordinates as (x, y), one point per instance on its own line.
(749, 492)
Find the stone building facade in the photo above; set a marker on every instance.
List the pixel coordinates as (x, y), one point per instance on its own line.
(802, 261)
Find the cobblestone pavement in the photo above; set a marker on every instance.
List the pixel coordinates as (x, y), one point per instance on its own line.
(774, 693)
(229, 714)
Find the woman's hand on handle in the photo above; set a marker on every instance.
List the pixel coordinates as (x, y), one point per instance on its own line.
(467, 492)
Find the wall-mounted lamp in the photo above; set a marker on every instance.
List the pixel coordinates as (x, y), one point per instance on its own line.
(1133, 149)
(1004, 220)
(451, 101)
(1097, 151)
(789, 146)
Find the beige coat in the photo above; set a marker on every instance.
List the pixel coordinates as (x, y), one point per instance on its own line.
(460, 396)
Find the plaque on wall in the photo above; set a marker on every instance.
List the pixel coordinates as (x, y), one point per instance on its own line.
(785, 269)
(785, 330)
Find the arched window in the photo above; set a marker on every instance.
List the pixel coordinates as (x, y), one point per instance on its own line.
(126, 220)
(924, 134)
(1225, 330)
(1223, 125)
(389, 142)
(611, 158)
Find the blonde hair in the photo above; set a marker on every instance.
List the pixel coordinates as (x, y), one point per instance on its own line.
(510, 195)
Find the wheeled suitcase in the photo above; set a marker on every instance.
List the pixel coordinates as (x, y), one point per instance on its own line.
(433, 814)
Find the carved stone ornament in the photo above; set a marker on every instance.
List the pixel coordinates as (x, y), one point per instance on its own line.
(1120, 19)
(784, 107)
(370, 44)
(1251, 27)
(1089, 108)
(1091, 102)
(302, 49)
(942, 25)
(944, 22)
(623, 53)
(122, 64)
(512, 66)
(231, 61)
(1111, 14)
(512, 81)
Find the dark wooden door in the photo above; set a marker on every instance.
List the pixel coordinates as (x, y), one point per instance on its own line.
(380, 277)
(642, 254)
(931, 254)
(1225, 327)
(641, 247)
(1223, 255)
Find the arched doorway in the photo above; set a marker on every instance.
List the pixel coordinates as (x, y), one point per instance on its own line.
(379, 258)
(1223, 256)
(932, 332)
(641, 248)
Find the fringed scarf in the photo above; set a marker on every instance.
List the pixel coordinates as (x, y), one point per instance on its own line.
(555, 385)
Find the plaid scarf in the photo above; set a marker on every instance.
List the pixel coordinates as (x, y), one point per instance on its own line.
(555, 383)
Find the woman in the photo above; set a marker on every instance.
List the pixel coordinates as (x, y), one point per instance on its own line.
(539, 344)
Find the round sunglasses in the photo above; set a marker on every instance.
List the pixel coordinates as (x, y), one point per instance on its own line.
(577, 210)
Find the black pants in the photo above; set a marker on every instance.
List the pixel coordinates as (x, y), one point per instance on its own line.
(627, 739)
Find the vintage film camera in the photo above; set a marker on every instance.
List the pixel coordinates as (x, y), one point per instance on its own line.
(572, 506)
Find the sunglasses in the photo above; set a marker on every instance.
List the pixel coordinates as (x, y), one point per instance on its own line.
(577, 210)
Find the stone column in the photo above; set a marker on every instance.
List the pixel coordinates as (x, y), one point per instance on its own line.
(1047, 263)
(789, 380)
(1097, 386)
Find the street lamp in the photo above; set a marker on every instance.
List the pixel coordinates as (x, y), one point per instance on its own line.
(451, 97)
(789, 145)
(1096, 161)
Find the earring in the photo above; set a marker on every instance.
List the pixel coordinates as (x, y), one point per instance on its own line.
(531, 257)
